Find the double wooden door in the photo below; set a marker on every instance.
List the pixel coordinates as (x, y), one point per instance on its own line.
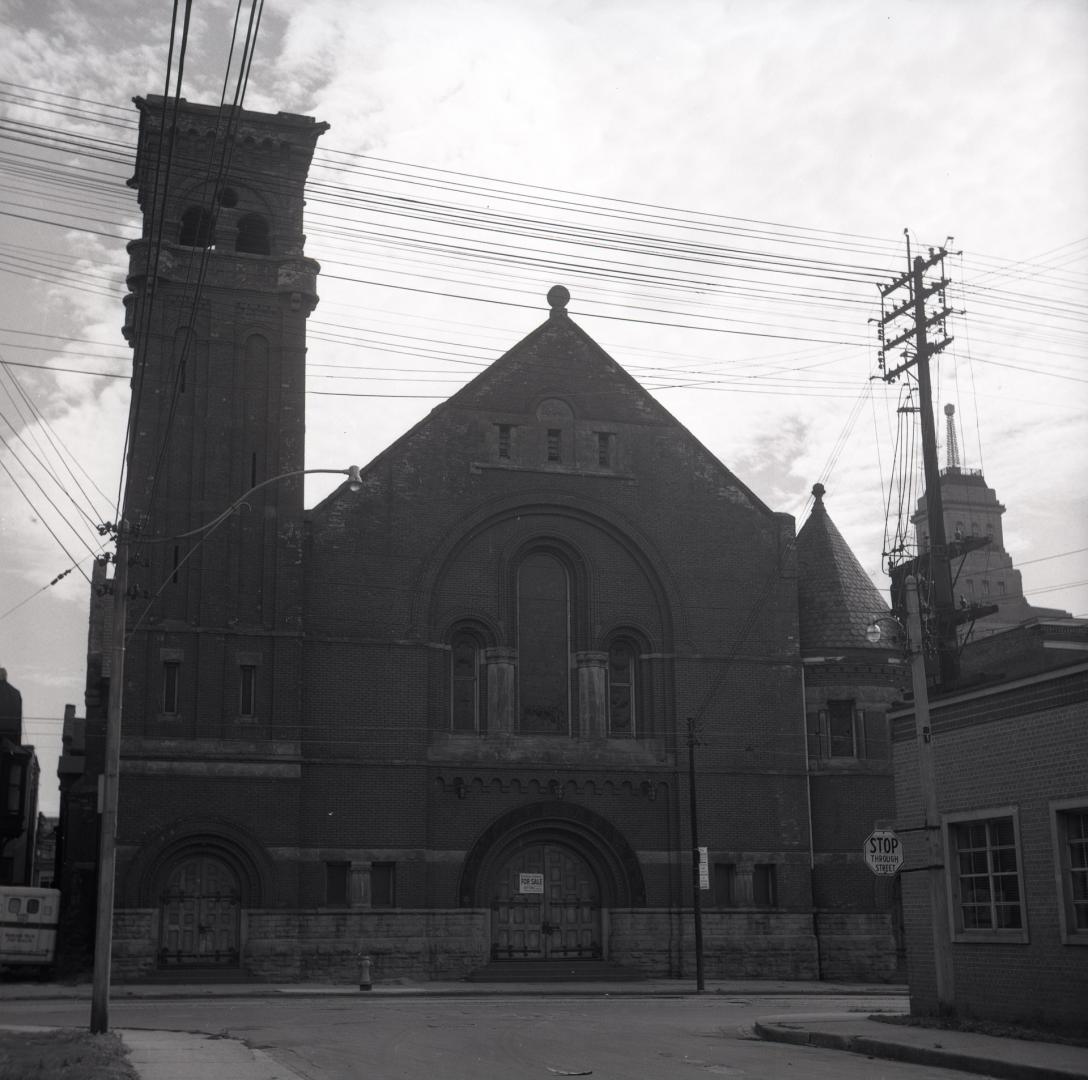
(545, 905)
(200, 914)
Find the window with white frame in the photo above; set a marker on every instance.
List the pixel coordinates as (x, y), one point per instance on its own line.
(1070, 830)
(984, 876)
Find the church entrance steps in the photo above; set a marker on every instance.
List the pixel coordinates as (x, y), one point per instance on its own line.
(543, 971)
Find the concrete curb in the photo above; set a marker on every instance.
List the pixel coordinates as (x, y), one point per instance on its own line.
(917, 1055)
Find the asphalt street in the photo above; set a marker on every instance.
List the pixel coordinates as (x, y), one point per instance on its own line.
(517, 1038)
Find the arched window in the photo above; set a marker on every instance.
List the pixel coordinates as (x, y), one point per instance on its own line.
(543, 645)
(252, 235)
(197, 228)
(466, 667)
(622, 688)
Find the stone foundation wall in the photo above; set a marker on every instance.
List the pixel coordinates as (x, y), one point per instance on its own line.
(325, 946)
(135, 941)
(736, 944)
(859, 947)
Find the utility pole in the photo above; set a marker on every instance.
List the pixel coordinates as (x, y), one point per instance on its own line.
(107, 851)
(913, 309)
(927, 782)
(696, 862)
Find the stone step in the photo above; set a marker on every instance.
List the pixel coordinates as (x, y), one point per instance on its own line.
(554, 971)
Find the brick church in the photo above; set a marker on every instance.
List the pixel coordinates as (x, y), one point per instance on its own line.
(442, 718)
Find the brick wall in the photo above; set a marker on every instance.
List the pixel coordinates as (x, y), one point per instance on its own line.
(1023, 761)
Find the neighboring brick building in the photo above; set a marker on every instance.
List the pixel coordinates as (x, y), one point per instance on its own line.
(1011, 754)
(442, 717)
(19, 776)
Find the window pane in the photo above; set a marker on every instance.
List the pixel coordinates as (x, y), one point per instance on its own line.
(1076, 833)
(988, 879)
(465, 665)
(763, 885)
(621, 690)
(543, 646)
(383, 884)
(170, 687)
(248, 691)
(337, 876)
(840, 728)
(725, 883)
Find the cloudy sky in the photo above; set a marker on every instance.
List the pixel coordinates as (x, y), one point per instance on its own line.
(721, 185)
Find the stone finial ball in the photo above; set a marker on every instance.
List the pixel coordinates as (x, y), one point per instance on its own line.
(558, 297)
(818, 491)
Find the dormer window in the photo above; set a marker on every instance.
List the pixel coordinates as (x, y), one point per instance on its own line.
(504, 431)
(555, 444)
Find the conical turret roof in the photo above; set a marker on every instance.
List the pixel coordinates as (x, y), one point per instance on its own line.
(837, 600)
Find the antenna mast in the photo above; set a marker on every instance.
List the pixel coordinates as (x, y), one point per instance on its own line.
(952, 446)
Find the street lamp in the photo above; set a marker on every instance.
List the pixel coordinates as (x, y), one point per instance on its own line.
(874, 631)
(107, 857)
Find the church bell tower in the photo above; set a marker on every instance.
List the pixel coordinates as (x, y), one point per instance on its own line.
(220, 291)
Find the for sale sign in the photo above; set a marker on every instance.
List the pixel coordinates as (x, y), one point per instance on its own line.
(530, 883)
(883, 852)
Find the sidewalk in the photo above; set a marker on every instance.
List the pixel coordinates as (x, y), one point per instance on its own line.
(164, 1055)
(1005, 1059)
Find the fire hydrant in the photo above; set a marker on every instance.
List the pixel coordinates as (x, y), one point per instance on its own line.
(364, 972)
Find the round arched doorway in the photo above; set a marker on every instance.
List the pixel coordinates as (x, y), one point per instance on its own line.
(545, 905)
(550, 872)
(200, 914)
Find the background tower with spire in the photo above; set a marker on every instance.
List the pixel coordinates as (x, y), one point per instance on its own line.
(985, 573)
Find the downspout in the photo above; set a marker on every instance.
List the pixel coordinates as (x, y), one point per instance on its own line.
(811, 837)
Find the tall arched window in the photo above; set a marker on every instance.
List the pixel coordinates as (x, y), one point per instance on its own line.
(622, 688)
(466, 667)
(543, 645)
(197, 228)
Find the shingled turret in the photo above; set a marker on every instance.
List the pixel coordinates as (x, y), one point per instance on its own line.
(836, 598)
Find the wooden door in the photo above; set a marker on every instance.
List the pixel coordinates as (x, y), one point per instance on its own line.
(545, 905)
(200, 910)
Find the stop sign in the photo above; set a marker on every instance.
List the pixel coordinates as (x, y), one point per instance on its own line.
(883, 852)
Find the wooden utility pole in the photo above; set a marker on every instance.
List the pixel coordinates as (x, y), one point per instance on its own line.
(939, 576)
(927, 782)
(107, 849)
(696, 862)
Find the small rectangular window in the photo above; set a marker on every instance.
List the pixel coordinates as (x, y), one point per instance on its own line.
(554, 444)
(337, 883)
(764, 885)
(247, 691)
(725, 884)
(985, 877)
(171, 669)
(383, 885)
(840, 730)
(504, 441)
(604, 450)
(13, 786)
